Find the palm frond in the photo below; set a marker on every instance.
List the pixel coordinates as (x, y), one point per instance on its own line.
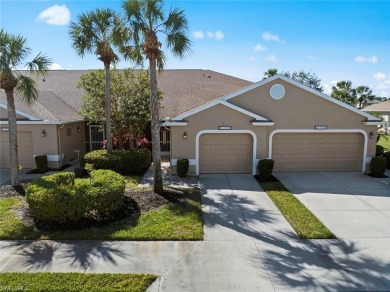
(26, 87)
(40, 64)
(13, 50)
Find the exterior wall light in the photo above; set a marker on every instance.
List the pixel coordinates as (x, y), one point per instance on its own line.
(371, 135)
(184, 135)
(78, 128)
(43, 133)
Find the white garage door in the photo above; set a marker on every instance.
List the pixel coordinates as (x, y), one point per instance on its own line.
(25, 150)
(318, 152)
(225, 153)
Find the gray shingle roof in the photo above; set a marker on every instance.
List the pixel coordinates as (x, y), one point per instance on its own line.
(379, 107)
(183, 90)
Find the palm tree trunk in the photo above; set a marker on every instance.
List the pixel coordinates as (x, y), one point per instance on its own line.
(155, 127)
(108, 107)
(13, 142)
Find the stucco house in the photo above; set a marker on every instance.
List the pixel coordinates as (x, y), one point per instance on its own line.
(220, 123)
(383, 109)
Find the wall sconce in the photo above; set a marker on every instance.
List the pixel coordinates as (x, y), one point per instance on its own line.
(78, 128)
(43, 133)
(184, 135)
(371, 135)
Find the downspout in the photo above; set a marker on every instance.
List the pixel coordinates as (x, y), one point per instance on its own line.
(59, 144)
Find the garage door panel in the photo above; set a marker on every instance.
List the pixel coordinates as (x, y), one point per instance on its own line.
(225, 153)
(312, 151)
(25, 149)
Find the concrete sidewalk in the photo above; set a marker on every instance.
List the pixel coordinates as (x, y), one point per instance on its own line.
(248, 246)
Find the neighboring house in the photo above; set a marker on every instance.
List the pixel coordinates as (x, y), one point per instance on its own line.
(383, 109)
(219, 122)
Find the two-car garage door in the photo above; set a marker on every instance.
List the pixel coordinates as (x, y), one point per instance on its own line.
(318, 151)
(25, 149)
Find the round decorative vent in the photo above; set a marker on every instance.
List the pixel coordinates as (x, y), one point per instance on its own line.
(277, 91)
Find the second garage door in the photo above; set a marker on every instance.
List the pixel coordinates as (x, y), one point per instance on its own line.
(25, 149)
(318, 152)
(225, 153)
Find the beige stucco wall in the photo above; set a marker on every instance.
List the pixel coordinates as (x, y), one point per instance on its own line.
(76, 141)
(299, 109)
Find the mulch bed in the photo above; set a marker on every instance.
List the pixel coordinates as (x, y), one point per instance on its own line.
(9, 191)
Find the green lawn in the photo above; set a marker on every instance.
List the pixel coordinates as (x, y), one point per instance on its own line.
(305, 224)
(74, 282)
(169, 222)
(385, 142)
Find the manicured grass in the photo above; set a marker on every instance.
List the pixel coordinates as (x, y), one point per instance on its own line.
(11, 226)
(75, 282)
(305, 224)
(385, 142)
(181, 221)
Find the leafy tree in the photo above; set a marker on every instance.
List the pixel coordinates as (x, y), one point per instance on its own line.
(13, 53)
(99, 32)
(270, 72)
(147, 22)
(344, 92)
(306, 78)
(130, 105)
(363, 93)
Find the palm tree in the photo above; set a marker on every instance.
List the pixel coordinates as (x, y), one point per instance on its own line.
(270, 72)
(97, 32)
(344, 92)
(14, 51)
(363, 93)
(147, 22)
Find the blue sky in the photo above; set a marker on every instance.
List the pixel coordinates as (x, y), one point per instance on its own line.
(337, 40)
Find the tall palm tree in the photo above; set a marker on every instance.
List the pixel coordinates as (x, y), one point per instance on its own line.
(270, 72)
(147, 23)
(344, 92)
(97, 32)
(363, 93)
(13, 52)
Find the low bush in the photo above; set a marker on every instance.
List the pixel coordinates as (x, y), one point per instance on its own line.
(387, 156)
(378, 165)
(182, 167)
(55, 201)
(41, 163)
(379, 150)
(129, 162)
(80, 172)
(265, 168)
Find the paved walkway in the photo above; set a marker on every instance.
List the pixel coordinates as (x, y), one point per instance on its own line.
(248, 246)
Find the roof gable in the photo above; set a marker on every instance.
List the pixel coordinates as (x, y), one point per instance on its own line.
(21, 113)
(379, 107)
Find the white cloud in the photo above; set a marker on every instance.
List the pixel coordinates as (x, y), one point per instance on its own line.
(219, 35)
(55, 15)
(384, 84)
(361, 59)
(210, 34)
(269, 37)
(198, 34)
(252, 59)
(310, 57)
(379, 76)
(259, 48)
(271, 58)
(328, 87)
(55, 66)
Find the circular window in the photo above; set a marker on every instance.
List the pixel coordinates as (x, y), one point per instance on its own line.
(277, 91)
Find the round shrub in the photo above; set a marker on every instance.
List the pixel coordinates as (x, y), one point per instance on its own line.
(56, 201)
(41, 163)
(378, 165)
(265, 168)
(133, 161)
(182, 167)
(379, 150)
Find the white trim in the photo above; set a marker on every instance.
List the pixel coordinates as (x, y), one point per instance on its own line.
(300, 85)
(30, 117)
(263, 123)
(52, 158)
(191, 162)
(222, 102)
(371, 123)
(321, 131)
(173, 123)
(43, 122)
(226, 132)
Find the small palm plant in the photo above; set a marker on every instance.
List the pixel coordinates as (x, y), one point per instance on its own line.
(13, 53)
(147, 22)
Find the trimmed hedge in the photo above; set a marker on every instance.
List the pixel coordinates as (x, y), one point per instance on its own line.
(182, 167)
(56, 201)
(387, 156)
(265, 168)
(129, 162)
(378, 165)
(41, 163)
